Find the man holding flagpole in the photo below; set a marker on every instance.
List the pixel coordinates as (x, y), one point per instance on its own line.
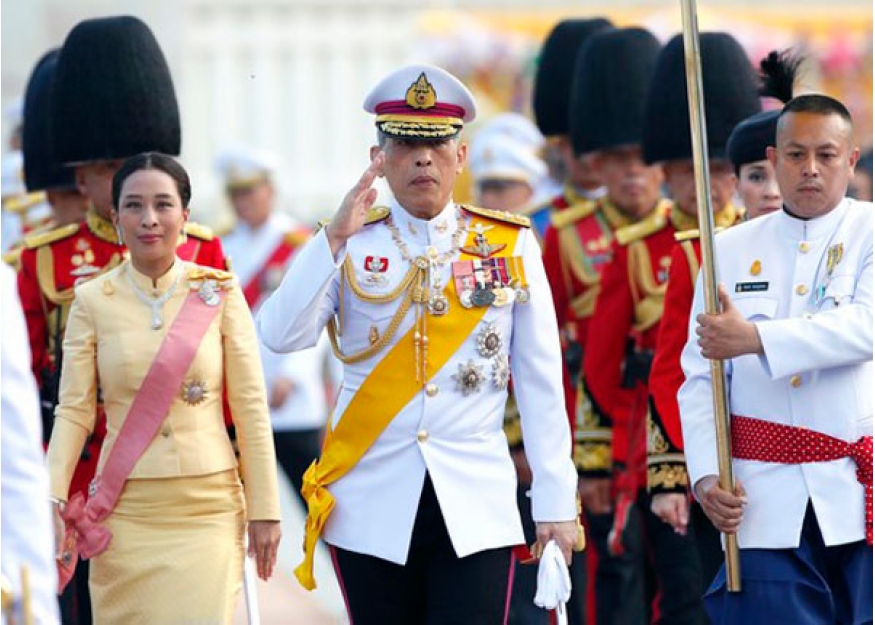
(796, 334)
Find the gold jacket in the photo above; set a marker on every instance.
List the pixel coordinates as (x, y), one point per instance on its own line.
(110, 343)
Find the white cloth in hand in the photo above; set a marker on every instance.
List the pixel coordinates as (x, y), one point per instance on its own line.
(554, 582)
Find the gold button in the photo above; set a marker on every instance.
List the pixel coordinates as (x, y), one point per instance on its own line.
(795, 381)
(804, 247)
(431, 390)
(422, 436)
(801, 289)
(431, 251)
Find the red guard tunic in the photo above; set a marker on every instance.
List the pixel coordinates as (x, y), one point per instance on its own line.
(666, 469)
(51, 265)
(577, 247)
(621, 337)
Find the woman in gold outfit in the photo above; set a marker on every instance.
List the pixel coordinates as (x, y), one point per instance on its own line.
(170, 533)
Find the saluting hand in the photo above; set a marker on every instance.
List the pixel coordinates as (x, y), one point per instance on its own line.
(721, 506)
(350, 217)
(264, 540)
(727, 334)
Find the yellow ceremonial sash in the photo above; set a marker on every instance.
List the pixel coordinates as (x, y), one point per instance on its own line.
(389, 387)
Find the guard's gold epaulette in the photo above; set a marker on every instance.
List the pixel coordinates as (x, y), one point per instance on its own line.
(694, 233)
(199, 231)
(40, 239)
(376, 214)
(502, 216)
(567, 216)
(639, 230)
(297, 237)
(22, 203)
(196, 274)
(13, 257)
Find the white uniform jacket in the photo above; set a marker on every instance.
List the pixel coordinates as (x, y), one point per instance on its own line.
(814, 317)
(457, 438)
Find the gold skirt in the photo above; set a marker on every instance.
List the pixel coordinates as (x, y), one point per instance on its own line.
(176, 555)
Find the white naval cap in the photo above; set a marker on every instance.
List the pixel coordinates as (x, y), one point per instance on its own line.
(243, 167)
(421, 102)
(501, 157)
(516, 126)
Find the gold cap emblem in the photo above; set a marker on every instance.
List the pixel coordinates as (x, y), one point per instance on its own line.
(421, 94)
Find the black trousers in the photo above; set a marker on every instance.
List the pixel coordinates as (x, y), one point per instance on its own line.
(295, 450)
(435, 587)
(685, 565)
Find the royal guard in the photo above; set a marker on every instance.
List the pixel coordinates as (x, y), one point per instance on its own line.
(624, 327)
(667, 479)
(112, 97)
(550, 103)
(607, 101)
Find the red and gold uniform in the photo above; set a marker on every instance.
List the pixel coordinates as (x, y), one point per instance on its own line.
(576, 250)
(666, 469)
(623, 336)
(51, 264)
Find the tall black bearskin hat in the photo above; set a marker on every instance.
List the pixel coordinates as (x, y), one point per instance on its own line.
(751, 137)
(42, 170)
(113, 94)
(729, 91)
(611, 78)
(555, 70)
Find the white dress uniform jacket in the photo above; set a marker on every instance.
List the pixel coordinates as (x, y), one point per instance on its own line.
(814, 317)
(457, 438)
(249, 250)
(26, 535)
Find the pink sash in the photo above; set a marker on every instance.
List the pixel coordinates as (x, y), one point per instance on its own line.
(84, 536)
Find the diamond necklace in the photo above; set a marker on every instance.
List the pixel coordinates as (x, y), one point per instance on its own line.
(155, 303)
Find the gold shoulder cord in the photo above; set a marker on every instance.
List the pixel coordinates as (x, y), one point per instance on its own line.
(409, 287)
(648, 295)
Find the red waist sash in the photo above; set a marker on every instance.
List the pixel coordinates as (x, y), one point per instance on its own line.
(755, 439)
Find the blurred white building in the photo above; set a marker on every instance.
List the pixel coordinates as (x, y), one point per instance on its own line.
(289, 76)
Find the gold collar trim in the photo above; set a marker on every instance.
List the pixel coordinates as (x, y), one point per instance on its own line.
(100, 227)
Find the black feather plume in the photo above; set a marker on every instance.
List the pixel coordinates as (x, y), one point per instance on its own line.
(778, 71)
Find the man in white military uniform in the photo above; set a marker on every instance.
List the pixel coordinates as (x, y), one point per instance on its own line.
(797, 336)
(505, 171)
(26, 523)
(430, 305)
(260, 248)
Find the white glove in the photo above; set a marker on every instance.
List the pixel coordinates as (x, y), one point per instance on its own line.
(554, 582)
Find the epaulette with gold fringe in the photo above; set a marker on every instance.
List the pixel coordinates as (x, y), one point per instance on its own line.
(297, 238)
(40, 239)
(13, 257)
(695, 233)
(375, 214)
(199, 231)
(502, 216)
(654, 222)
(567, 216)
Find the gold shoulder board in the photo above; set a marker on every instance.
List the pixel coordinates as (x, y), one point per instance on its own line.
(199, 231)
(572, 214)
(502, 216)
(376, 214)
(40, 239)
(297, 238)
(642, 229)
(687, 235)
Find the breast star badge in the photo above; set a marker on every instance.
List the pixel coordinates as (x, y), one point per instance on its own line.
(469, 378)
(194, 392)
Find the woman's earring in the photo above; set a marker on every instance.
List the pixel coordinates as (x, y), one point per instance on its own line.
(118, 231)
